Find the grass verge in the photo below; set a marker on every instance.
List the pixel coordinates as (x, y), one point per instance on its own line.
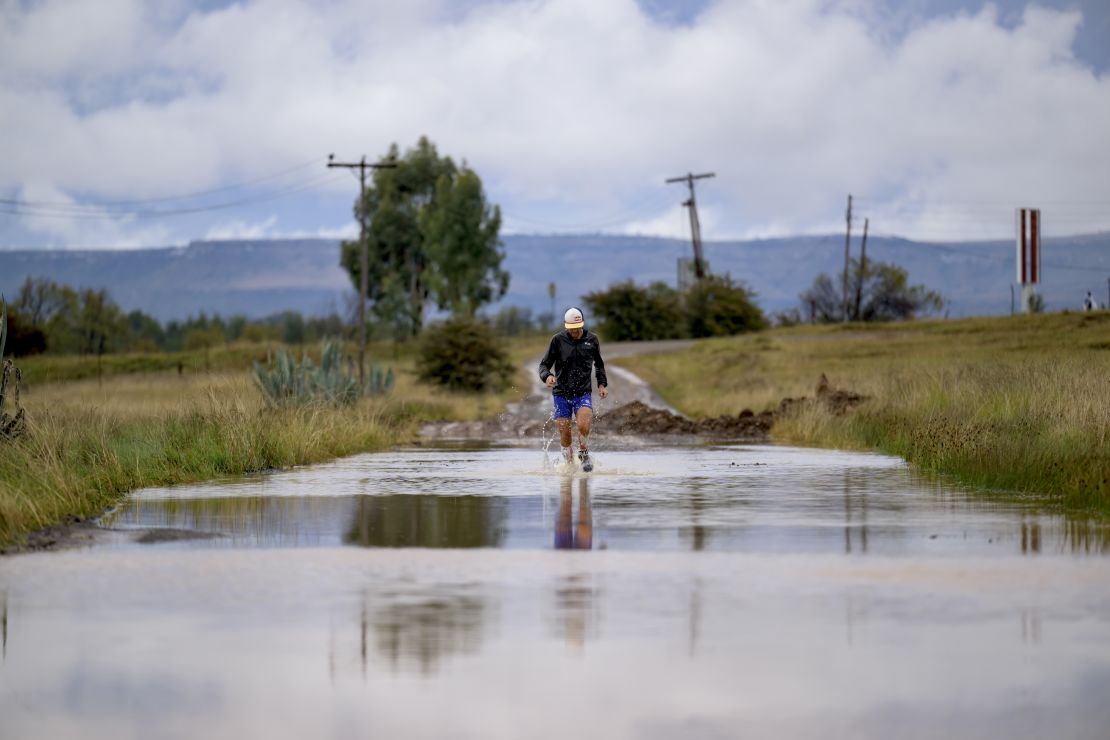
(1020, 404)
(91, 441)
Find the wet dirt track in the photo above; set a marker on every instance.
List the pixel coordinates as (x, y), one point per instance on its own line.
(726, 592)
(478, 591)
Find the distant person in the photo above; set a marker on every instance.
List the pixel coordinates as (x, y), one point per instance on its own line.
(1089, 303)
(572, 357)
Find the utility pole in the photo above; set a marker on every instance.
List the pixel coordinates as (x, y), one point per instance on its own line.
(363, 259)
(695, 225)
(847, 255)
(551, 295)
(862, 268)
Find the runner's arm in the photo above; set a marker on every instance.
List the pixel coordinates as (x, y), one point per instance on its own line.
(547, 361)
(599, 365)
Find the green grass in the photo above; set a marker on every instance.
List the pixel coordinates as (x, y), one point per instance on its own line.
(91, 441)
(59, 368)
(1020, 404)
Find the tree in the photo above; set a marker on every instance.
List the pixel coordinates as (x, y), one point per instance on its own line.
(145, 332)
(463, 248)
(205, 340)
(100, 326)
(292, 327)
(513, 321)
(886, 295)
(718, 306)
(395, 242)
(39, 299)
(431, 236)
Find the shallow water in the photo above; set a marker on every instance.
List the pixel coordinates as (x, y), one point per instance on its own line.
(728, 592)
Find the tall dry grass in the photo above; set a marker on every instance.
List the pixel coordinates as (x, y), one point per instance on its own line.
(89, 442)
(1020, 404)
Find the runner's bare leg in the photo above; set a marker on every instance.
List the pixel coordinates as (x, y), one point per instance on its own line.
(563, 423)
(585, 419)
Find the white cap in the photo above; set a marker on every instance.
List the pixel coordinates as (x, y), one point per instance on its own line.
(572, 319)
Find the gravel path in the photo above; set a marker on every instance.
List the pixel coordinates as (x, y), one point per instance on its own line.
(526, 418)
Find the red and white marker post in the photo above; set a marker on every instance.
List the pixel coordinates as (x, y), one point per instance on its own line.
(1028, 233)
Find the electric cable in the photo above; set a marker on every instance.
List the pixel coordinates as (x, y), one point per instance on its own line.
(163, 199)
(161, 213)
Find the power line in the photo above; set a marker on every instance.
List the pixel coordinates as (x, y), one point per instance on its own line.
(39, 212)
(632, 211)
(164, 199)
(972, 202)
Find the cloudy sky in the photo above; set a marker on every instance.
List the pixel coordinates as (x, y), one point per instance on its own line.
(940, 116)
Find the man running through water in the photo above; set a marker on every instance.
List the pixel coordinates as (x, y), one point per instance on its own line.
(566, 369)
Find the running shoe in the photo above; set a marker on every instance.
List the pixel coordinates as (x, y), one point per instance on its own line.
(584, 458)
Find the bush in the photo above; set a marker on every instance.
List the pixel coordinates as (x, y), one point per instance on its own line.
(885, 295)
(23, 339)
(462, 354)
(10, 426)
(626, 311)
(714, 306)
(717, 307)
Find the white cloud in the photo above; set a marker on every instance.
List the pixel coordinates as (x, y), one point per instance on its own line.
(242, 230)
(570, 109)
(89, 227)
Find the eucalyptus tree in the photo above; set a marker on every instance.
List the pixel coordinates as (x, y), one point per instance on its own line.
(431, 237)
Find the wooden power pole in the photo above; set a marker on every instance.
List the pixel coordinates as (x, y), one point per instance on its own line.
(363, 259)
(847, 256)
(695, 224)
(862, 269)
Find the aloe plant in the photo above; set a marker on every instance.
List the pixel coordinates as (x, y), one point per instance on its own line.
(285, 381)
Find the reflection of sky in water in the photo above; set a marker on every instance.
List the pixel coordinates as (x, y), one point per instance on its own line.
(419, 594)
(740, 499)
(493, 643)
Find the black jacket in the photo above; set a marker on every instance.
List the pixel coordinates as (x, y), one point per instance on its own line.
(570, 361)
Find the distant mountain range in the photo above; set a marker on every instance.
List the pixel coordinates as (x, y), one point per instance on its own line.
(261, 277)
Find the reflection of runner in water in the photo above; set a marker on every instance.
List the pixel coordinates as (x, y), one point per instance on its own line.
(573, 355)
(580, 536)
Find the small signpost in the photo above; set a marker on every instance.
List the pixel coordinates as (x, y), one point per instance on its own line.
(1028, 234)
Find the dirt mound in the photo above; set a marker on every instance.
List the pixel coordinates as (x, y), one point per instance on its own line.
(836, 400)
(639, 418)
(634, 419)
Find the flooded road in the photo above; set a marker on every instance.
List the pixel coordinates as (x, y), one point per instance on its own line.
(480, 592)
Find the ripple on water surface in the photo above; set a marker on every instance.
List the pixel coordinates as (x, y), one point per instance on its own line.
(742, 592)
(729, 498)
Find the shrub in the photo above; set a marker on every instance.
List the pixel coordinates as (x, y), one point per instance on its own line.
(885, 295)
(10, 426)
(717, 306)
(23, 339)
(626, 311)
(462, 354)
(714, 306)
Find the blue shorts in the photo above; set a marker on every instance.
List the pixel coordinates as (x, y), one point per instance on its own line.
(566, 408)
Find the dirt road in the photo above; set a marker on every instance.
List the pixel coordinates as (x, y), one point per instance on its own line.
(526, 419)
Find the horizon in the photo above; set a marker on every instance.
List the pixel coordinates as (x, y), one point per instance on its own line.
(563, 235)
(136, 123)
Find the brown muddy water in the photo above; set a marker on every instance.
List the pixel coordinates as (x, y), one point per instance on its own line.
(480, 592)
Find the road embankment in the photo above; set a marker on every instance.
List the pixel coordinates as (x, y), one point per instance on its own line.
(87, 444)
(1015, 404)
